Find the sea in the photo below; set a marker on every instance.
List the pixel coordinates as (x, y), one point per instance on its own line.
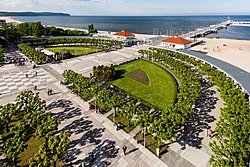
(153, 25)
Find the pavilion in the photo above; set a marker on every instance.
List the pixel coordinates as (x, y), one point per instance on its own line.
(123, 35)
(176, 42)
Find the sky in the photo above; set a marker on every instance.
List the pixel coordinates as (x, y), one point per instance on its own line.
(130, 7)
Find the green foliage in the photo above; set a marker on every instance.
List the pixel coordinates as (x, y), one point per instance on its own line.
(36, 56)
(104, 73)
(232, 147)
(91, 29)
(175, 114)
(79, 41)
(51, 150)
(36, 29)
(10, 33)
(35, 121)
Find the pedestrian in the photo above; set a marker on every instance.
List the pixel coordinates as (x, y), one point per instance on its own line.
(26, 75)
(36, 73)
(35, 87)
(48, 92)
(210, 133)
(124, 149)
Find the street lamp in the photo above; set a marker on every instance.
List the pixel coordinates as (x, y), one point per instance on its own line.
(144, 134)
(95, 105)
(114, 116)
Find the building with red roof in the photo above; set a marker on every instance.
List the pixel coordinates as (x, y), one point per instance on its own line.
(176, 42)
(123, 35)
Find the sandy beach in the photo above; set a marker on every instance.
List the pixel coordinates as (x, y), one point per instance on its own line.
(10, 20)
(236, 52)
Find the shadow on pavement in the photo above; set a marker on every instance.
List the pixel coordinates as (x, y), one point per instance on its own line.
(102, 154)
(78, 126)
(198, 123)
(61, 103)
(89, 138)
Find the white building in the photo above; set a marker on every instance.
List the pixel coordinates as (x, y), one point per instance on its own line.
(123, 35)
(176, 42)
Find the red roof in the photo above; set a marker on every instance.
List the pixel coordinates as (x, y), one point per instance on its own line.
(124, 34)
(176, 40)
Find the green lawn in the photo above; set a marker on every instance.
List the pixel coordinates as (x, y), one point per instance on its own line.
(30, 151)
(75, 50)
(161, 89)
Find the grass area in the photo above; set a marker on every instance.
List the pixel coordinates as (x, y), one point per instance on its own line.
(151, 144)
(32, 144)
(75, 50)
(160, 91)
(123, 122)
(30, 151)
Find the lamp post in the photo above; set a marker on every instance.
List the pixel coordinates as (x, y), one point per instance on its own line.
(95, 105)
(114, 116)
(144, 134)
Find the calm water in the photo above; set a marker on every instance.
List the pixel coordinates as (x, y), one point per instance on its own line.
(165, 25)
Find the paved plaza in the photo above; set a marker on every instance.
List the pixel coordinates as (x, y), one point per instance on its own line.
(93, 135)
(84, 64)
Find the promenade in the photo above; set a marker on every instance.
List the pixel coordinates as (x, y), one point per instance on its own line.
(95, 134)
(239, 75)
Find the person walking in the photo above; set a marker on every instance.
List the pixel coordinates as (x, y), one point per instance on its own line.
(210, 133)
(124, 149)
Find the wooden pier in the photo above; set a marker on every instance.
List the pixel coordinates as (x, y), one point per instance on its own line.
(201, 32)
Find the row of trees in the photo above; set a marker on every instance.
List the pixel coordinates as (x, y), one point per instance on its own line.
(175, 115)
(36, 29)
(232, 147)
(51, 150)
(82, 41)
(34, 55)
(104, 73)
(33, 121)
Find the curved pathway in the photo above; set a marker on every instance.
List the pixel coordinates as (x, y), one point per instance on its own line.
(242, 77)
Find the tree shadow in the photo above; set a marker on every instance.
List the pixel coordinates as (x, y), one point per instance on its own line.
(78, 126)
(91, 137)
(61, 103)
(67, 113)
(119, 74)
(190, 132)
(99, 155)
(71, 155)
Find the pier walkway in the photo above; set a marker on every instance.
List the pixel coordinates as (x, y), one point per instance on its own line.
(207, 30)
